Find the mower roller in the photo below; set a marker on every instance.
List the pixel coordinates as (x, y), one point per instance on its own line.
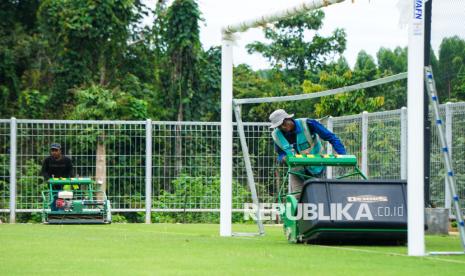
(342, 210)
(75, 201)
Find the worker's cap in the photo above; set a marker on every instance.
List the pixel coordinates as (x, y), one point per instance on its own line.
(55, 146)
(278, 116)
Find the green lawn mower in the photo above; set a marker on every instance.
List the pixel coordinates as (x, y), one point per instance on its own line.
(343, 210)
(75, 201)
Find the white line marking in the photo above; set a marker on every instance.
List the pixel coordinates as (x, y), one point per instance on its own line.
(390, 253)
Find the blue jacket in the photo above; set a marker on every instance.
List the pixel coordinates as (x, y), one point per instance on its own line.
(315, 127)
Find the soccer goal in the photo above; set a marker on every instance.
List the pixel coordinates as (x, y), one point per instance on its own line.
(415, 12)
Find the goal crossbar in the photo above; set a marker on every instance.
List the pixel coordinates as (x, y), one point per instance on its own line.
(340, 90)
(273, 17)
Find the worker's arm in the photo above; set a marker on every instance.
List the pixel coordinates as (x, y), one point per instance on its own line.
(326, 135)
(281, 154)
(45, 169)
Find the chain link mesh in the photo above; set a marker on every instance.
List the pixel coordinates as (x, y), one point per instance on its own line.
(186, 159)
(4, 164)
(124, 150)
(384, 145)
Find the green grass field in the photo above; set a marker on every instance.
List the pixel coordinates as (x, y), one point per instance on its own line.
(196, 249)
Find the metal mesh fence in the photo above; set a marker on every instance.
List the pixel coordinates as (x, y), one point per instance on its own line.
(384, 145)
(458, 147)
(437, 169)
(186, 166)
(268, 175)
(4, 163)
(349, 130)
(121, 143)
(454, 118)
(186, 159)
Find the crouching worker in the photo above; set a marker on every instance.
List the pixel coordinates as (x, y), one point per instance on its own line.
(56, 165)
(301, 136)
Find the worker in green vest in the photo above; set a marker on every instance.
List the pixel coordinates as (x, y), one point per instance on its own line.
(301, 136)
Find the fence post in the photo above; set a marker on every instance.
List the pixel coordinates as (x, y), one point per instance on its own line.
(329, 170)
(449, 118)
(403, 143)
(148, 171)
(13, 146)
(365, 142)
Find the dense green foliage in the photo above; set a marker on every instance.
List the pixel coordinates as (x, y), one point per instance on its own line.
(290, 50)
(52, 50)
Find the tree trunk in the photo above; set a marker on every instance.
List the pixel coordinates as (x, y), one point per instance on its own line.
(178, 142)
(448, 88)
(101, 168)
(102, 69)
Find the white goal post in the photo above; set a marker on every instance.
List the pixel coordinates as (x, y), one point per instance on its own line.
(416, 243)
(415, 134)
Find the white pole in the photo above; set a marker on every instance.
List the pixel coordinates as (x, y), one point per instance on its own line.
(148, 171)
(13, 148)
(403, 143)
(365, 143)
(415, 136)
(226, 137)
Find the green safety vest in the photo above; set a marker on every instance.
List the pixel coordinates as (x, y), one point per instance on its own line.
(304, 141)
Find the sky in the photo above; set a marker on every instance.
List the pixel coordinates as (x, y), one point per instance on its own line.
(369, 24)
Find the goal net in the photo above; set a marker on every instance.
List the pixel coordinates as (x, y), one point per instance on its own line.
(385, 45)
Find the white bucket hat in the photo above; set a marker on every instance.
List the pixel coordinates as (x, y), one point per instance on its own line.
(278, 116)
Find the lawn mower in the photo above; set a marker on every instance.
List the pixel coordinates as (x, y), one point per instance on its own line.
(75, 201)
(343, 210)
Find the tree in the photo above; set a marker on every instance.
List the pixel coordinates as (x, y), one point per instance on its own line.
(20, 51)
(89, 39)
(391, 62)
(451, 59)
(159, 32)
(265, 83)
(182, 55)
(183, 52)
(291, 50)
(340, 75)
(458, 90)
(365, 66)
(208, 99)
(32, 104)
(98, 103)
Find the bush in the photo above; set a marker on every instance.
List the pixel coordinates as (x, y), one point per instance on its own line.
(195, 193)
(116, 218)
